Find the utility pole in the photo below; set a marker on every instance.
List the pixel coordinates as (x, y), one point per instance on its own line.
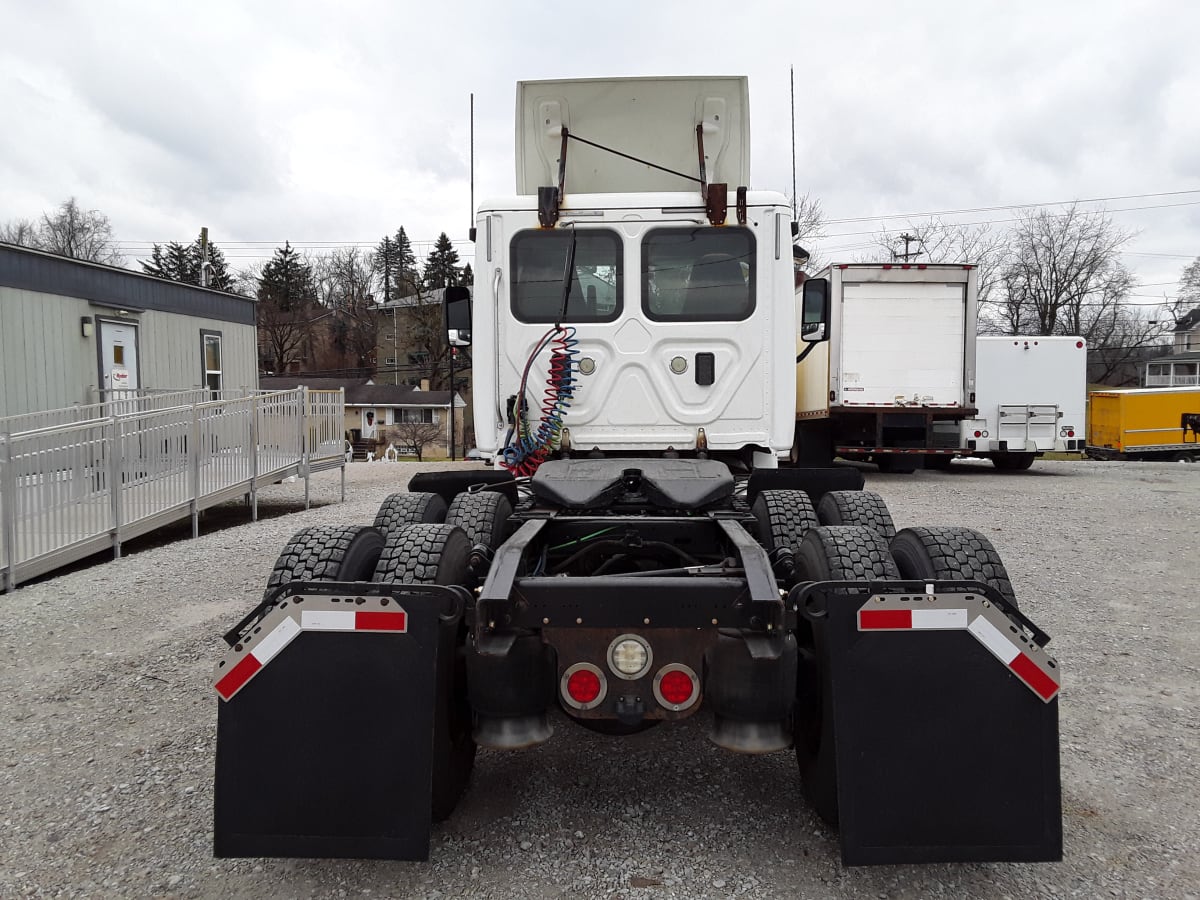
(908, 239)
(204, 265)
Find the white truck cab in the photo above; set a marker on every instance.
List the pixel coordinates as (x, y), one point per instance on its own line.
(679, 329)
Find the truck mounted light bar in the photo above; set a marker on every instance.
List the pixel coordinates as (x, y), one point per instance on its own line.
(967, 612)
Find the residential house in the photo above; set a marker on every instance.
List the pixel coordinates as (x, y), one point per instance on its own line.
(379, 416)
(1182, 367)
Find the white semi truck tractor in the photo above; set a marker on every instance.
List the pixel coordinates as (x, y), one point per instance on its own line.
(636, 556)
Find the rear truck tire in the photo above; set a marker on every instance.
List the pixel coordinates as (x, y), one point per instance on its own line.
(783, 517)
(857, 508)
(328, 553)
(947, 553)
(1013, 462)
(828, 553)
(409, 509)
(429, 553)
(483, 515)
(1187, 456)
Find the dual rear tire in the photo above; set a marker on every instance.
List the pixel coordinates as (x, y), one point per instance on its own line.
(416, 539)
(861, 552)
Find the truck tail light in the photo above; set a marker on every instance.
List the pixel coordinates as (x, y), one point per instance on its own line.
(676, 687)
(583, 686)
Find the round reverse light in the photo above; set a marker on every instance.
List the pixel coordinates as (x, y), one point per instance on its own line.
(679, 365)
(676, 687)
(583, 686)
(629, 656)
(587, 366)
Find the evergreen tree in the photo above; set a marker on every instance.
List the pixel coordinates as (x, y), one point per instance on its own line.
(408, 276)
(287, 297)
(385, 262)
(468, 276)
(177, 262)
(441, 268)
(396, 266)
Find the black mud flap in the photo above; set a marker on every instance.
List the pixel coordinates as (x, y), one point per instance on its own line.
(325, 723)
(939, 723)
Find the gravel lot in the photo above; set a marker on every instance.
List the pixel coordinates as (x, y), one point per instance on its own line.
(108, 722)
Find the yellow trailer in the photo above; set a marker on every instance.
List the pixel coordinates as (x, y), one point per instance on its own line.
(1145, 423)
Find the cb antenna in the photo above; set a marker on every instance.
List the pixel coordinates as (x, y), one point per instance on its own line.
(471, 216)
(792, 78)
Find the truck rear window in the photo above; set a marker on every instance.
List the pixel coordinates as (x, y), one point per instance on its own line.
(538, 260)
(698, 274)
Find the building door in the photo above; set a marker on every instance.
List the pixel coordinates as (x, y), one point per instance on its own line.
(118, 357)
(368, 429)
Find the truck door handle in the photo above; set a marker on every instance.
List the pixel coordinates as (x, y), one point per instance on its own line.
(706, 369)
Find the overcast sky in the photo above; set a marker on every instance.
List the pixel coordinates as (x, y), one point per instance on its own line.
(269, 121)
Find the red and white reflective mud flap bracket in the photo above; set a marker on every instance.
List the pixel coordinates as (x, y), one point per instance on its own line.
(341, 680)
(974, 614)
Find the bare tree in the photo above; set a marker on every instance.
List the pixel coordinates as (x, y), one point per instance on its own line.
(416, 436)
(810, 222)
(1121, 341)
(19, 231)
(1188, 296)
(938, 241)
(425, 337)
(1063, 273)
(344, 286)
(78, 233)
(245, 279)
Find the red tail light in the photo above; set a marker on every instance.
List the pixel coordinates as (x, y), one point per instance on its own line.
(1071, 433)
(583, 686)
(979, 434)
(676, 687)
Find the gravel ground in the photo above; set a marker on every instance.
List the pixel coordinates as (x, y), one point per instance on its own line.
(108, 726)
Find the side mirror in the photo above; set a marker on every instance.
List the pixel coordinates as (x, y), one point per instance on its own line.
(456, 316)
(814, 311)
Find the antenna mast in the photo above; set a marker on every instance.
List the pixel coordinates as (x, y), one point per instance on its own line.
(472, 210)
(792, 78)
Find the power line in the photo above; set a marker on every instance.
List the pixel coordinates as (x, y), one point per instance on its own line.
(953, 212)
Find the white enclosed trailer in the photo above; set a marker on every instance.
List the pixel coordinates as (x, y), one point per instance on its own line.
(1031, 393)
(899, 372)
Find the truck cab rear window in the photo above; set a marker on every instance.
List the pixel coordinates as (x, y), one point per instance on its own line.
(539, 259)
(698, 274)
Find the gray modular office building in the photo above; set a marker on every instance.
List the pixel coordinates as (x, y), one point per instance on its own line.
(70, 330)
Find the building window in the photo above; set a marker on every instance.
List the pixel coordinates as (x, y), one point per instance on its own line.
(210, 344)
(421, 416)
(389, 360)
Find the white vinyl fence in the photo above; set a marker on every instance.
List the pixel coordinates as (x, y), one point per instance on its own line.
(100, 476)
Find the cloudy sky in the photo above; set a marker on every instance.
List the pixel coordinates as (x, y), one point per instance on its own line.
(271, 120)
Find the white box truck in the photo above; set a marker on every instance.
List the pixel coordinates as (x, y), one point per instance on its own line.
(897, 375)
(1031, 393)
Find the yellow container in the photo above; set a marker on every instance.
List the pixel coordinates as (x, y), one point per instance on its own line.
(1144, 421)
